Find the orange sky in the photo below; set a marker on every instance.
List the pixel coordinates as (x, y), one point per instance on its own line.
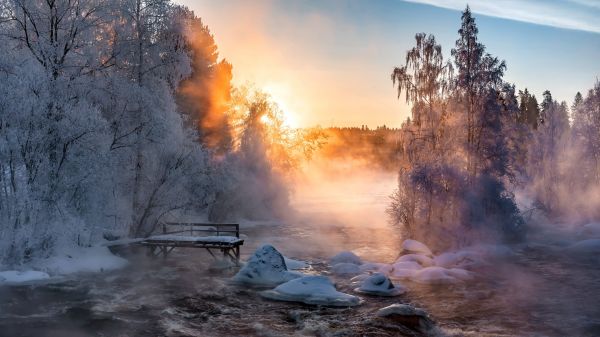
(329, 62)
(285, 56)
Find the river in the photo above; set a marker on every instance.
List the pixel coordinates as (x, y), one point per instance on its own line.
(538, 291)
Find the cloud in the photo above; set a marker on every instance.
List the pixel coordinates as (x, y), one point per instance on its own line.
(569, 14)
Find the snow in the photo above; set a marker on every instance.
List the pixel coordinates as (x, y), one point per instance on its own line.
(460, 274)
(404, 269)
(316, 290)
(76, 260)
(400, 309)
(295, 264)
(415, 246)
(407, 265)
(14, 276)
(434, 275)
(121, 242)
(345, 268)
(378, 284)
(423, 260)
(266, 267)
(199, 239)
(446, 260)
(346, 257)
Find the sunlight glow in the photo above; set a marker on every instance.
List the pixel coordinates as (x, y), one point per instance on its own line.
(280, 94)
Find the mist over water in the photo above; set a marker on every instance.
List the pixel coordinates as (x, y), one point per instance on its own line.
(538, 288)
(345, 197)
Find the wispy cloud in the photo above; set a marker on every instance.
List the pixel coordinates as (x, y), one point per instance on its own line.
(570, 14)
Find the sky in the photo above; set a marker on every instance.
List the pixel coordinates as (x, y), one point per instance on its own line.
(329, 62)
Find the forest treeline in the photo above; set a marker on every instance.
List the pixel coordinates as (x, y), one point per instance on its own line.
(379, 148)
(116, 114)
(473, 140)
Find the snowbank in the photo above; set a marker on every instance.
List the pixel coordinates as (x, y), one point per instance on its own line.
(346, 257)
(414, 246)
(14, 276)
(77, 260)
(316, 290)
(265, 268)
(378, 284)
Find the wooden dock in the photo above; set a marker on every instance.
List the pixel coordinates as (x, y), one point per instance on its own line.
(223, 238)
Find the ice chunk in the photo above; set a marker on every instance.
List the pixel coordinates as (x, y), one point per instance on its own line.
(421, 259)
(265, 268)
(295, 264)
(346, 257)
(379, 284)
(434, 275)
(415, 246)
(14, 276)
(316, 290)
(345, 268)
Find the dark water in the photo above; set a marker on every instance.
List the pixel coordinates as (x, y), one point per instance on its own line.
(540, 291)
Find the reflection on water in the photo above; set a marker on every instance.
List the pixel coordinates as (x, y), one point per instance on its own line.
(540, 291)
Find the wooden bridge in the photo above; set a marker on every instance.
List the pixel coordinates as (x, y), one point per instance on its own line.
(224, 238)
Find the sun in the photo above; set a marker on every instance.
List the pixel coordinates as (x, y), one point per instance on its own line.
(280, 95)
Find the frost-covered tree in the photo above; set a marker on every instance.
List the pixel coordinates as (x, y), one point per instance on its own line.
(91, 139)
(461, 145)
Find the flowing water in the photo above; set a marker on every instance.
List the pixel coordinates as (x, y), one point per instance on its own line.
(538, 291)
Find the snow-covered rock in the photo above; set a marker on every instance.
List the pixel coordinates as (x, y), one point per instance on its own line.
(446, 260)
(14, 276)
(407, 315)
(460, 274)
(421, 259)
(317, 290)
(292, 264)
(403, 273)
(345, 268)
(404, 269)
(76, 260)
(378, 284)
(265, 268)
(346, 257)
(434, 275)
(401, 309)
(414, 246)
